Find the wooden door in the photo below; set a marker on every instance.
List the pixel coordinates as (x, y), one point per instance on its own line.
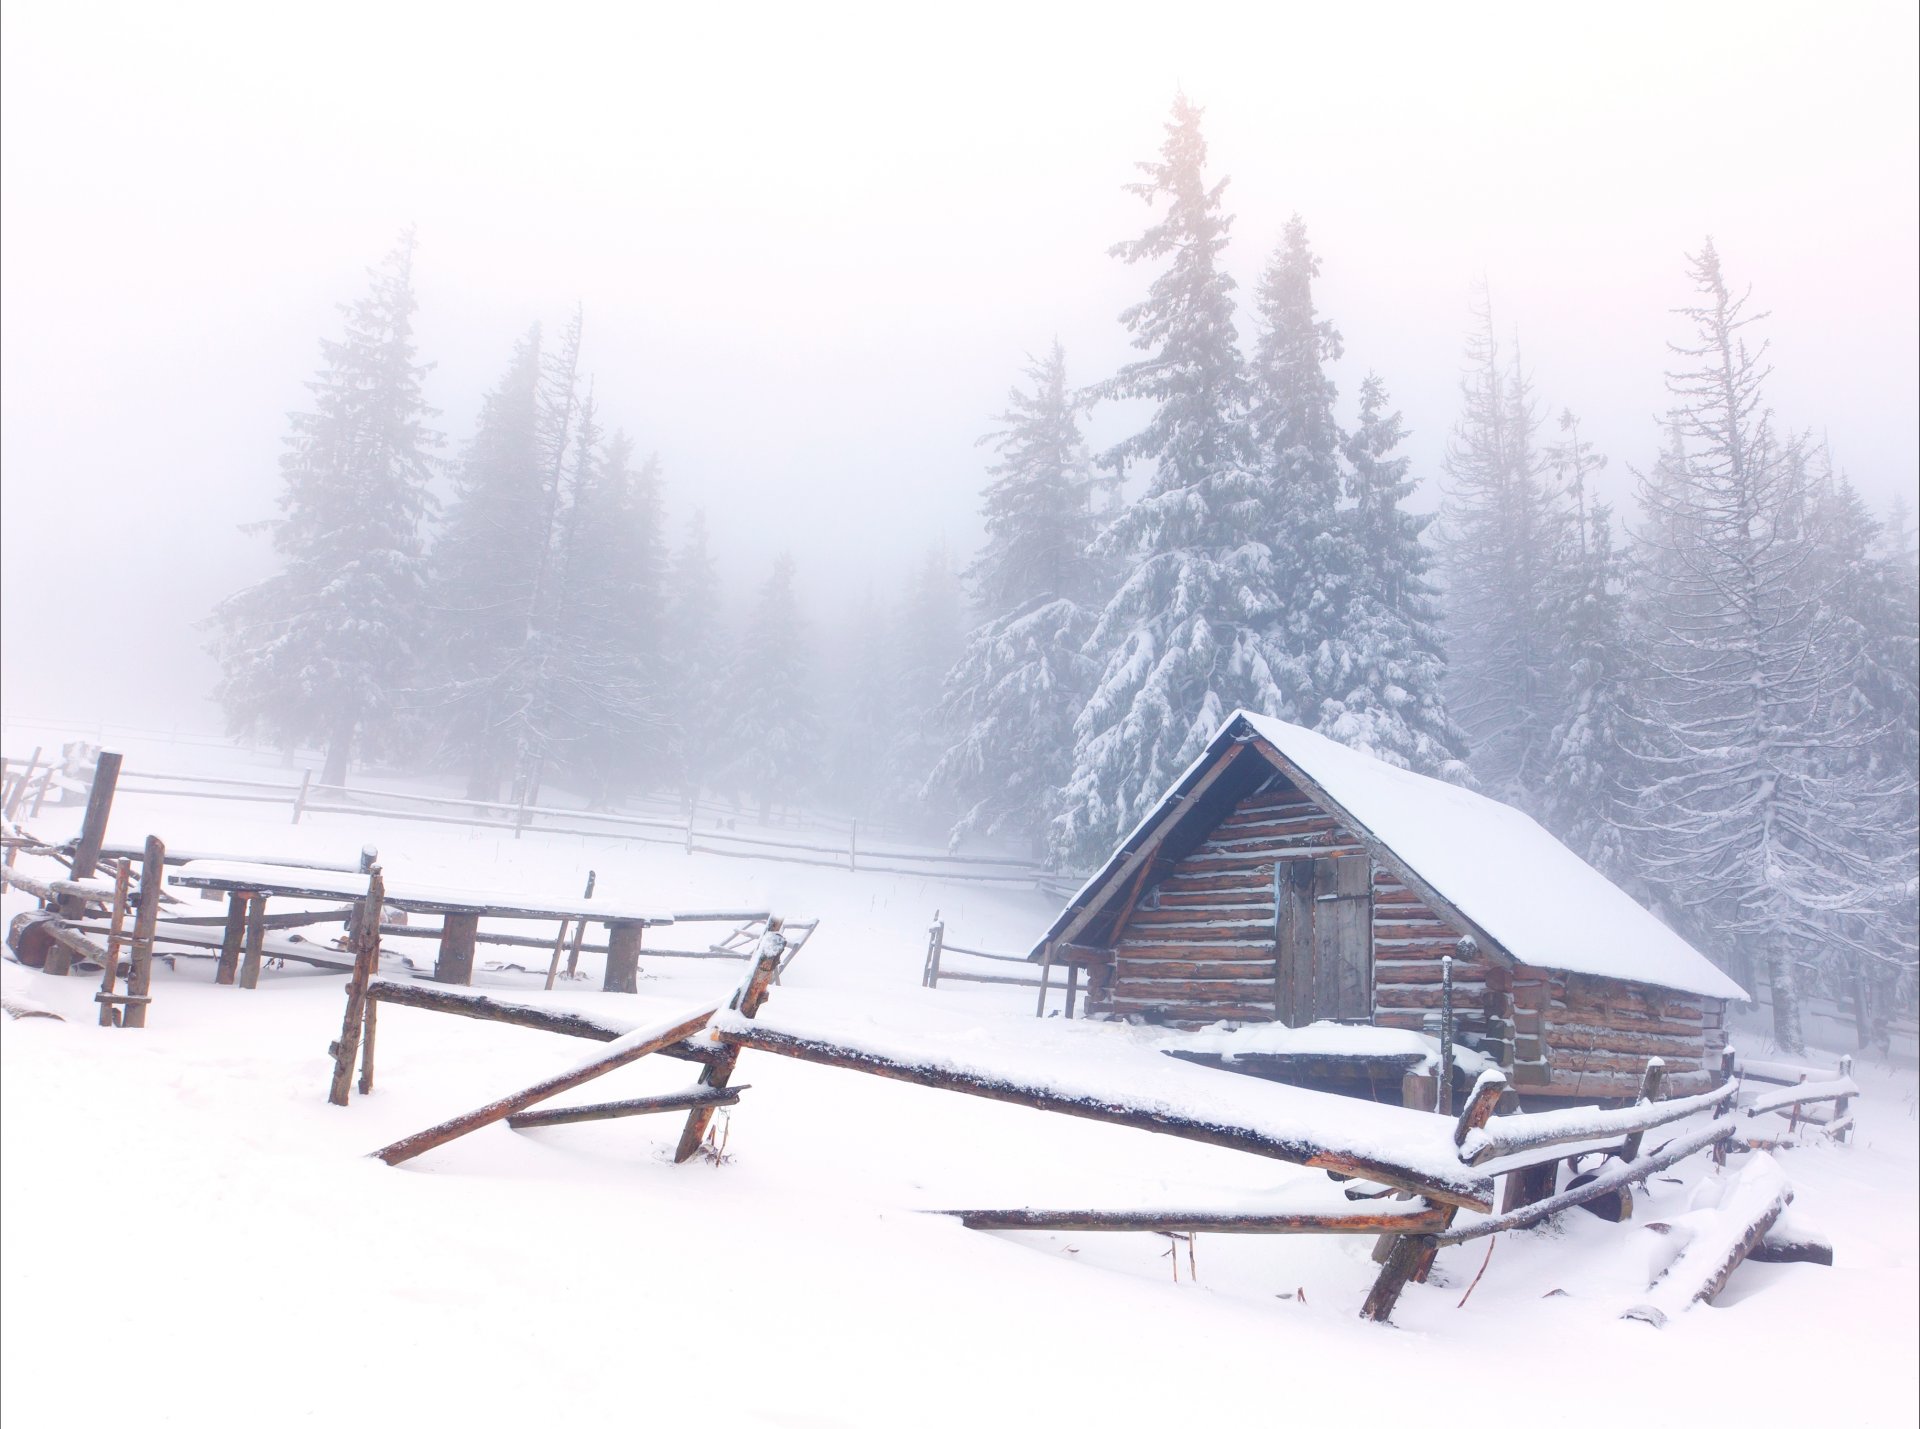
(1323, 935)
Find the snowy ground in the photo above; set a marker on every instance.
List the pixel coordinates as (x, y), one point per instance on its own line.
(193, 1236)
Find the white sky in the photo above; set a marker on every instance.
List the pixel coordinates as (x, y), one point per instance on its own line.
(815, 243)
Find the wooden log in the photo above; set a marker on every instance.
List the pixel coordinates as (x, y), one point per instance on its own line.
(747, 1000)
(1650, 1081)
(486, 1009)
(227, 970)
(630, 1048)
(455, 963)
(366, 957)
(110, 965)
(1465, 1189)
(1411, 1257)
(579, 933)
(153, 872)
(1512, 1135)
(623, 958)
(1792, 1245)
(1245, 1223)
(93, 824)
(369, 1024)
(256, 942)
(1750, 1206)
(633, 1106)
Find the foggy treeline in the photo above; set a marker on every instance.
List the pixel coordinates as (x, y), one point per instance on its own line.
(1714, 696)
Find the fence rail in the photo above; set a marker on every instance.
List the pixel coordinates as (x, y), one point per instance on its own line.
(28, 781)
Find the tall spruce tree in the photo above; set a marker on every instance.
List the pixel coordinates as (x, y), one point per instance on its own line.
(698, 654)
(927, 640)
(774, 735)
(1009, 703)
(1393, 703)
(1753, 813)
(1504, 538)
(326, 648)
(1195, 625)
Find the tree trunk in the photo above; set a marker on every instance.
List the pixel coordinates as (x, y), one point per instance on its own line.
(338, 747)
(1786, 1005)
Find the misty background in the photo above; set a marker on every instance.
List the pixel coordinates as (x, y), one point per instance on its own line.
(815, 249)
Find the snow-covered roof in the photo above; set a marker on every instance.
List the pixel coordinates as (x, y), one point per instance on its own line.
(1542, 903)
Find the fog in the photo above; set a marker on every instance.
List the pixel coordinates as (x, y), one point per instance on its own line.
(814, 248)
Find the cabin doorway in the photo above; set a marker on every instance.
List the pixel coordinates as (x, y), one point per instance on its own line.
(1324, 939)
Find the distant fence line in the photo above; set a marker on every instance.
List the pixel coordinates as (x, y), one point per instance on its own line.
(309, 796)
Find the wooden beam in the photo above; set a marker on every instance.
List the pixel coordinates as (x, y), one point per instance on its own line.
(486, 1009)
(1244, 1223)
(153, 871)
(634, 1106)
(746, 1000)
(455, 963)
(366, 957)
(256, 941)
(628, 1049)
(1466, 1190)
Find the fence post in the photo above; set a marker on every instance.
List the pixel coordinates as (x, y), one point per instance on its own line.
(1073, 987)
(1726, 1107)
(1046, 977)
(1840, 1103)
(1444, 1099)
(153, 872)
(1649, 1094)
(930, 974)
(300, 799)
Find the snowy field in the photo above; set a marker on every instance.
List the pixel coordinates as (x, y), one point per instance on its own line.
(193, 1236)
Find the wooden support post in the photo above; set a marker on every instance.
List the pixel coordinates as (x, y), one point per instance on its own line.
(1649, 1094)
(1411, 1257)
(1840, 1104)
(1073, 987)
(579, 935)
(256, 942)
(366, 956)
(369, 1021)
(1726, 1107)
(1046, 977)
(747, 999)
(930, 973)
(623, 957)
(122, 882)
(559, 947)
(455, 963)
(231, 940)
(619, 1055)
(1443, 1091)
(93, 825)
(153, 871)
(300, 799)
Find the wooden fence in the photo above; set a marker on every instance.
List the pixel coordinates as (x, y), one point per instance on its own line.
(701, 830)
(935, 970)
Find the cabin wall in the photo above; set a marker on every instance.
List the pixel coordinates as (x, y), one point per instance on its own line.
(1200, 944)
(1586, 1037)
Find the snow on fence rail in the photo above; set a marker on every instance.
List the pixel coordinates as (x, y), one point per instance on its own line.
(28, 781)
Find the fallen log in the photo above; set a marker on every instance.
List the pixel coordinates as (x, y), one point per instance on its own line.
(1753, 1201)
(1472, 1192)
(1244, 1223)
(1789, 1243)
(688, 1100)
(630, 1048)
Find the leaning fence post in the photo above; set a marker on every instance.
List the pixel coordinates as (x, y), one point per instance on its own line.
(300, 799)
(153, 871)
(930, 972)
(1726, 1107)
(366, 956)
(1649, 1093)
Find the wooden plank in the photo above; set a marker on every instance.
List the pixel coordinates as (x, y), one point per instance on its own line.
(1465, 1189)
(633, 1106)
(623, 1052)
(1243, 1223)
(1293, 982)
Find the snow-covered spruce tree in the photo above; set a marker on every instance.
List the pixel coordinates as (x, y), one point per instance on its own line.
(1191, 630)
(1392, 704)
(327, 648)
(773, 737)
(698, 653)
(600, 646)
(498, 571)
(1009, 703)
(1503, 539)
(1589, 773)
(1757, 799)
(927, 640)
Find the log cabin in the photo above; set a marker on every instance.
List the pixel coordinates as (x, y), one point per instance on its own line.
(1287, 879)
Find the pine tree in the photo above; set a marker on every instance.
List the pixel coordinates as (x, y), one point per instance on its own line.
(1194, 628)
(1758, 796)
(1503, 542)
(864, 714)
(927, 640)
(327, 647)
(1008, 705)
(698, 656)
(1393, 704)
(774, 732)
(1589, 775)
